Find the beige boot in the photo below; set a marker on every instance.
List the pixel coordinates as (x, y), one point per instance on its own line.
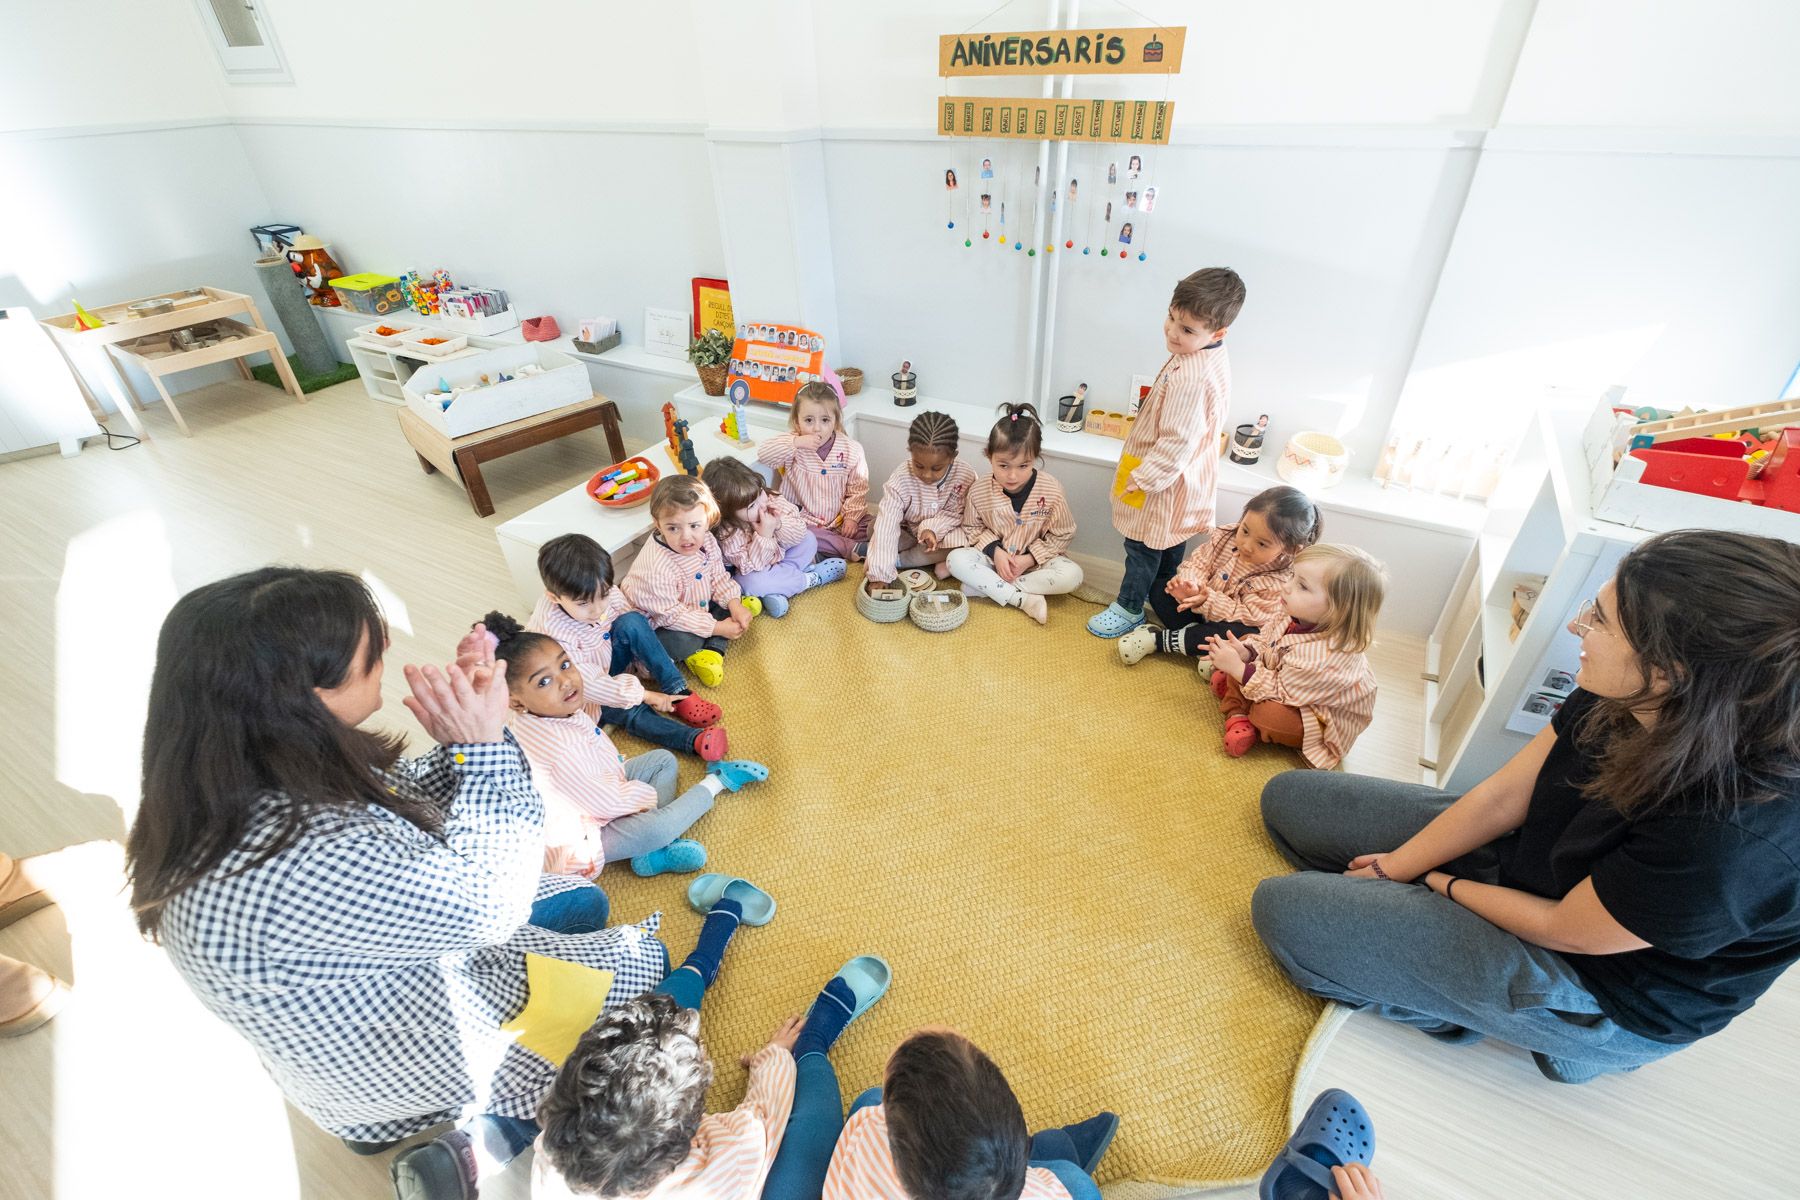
(19, 893)
(28, 997)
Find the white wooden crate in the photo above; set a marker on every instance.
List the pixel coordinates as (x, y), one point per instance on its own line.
(564, 382)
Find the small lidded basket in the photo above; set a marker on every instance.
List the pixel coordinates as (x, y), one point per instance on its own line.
(938, 611)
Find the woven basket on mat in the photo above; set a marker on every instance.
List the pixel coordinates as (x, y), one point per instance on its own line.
(713, 379)
(851, 378)
(884, 612)
(938, 612)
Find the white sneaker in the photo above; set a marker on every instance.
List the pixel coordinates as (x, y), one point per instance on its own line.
(1138, 645)
(1035, 607)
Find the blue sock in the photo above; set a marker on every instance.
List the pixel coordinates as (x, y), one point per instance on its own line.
(830, 1013)
(721, 922)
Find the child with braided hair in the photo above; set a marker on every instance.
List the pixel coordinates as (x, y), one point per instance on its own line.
(921, 502)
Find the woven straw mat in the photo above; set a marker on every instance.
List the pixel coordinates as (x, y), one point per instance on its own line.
(1051, 849)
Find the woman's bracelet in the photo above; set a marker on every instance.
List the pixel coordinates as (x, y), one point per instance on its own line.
(1375, 866)
(1450, 888)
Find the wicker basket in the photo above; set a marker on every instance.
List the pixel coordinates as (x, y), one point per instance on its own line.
(938, 612)
(713, 378)
(882, 612)
(851, 378)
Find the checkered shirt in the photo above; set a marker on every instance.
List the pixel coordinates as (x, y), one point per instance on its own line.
(371, 964)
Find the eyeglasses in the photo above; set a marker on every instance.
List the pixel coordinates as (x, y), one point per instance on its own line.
(1586, 618)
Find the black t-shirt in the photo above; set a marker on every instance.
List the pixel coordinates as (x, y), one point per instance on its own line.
(1717, 895)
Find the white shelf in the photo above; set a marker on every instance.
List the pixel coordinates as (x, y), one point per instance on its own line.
(631, 358)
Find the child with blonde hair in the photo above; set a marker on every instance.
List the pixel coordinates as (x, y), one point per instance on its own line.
(1168, 476)
(679, 580)
(824, 473)
(1234, 582)
(921, 502)
(764, 538)
(1304, 680)
(1017, 523)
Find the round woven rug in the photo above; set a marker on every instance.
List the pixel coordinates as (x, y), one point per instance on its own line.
(1051, 849)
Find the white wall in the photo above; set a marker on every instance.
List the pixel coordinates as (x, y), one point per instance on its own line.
(105, 61)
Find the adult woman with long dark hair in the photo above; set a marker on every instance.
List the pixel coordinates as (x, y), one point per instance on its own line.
(1627, 883)
(362, 919)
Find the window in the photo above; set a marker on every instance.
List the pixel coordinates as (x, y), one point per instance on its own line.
(245, 41)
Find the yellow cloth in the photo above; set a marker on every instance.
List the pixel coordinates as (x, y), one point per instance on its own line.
(565, 999)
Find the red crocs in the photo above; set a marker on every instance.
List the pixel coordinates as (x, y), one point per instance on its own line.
(697, 712)
(1240, 735)
(710, 744)
(1220, 681)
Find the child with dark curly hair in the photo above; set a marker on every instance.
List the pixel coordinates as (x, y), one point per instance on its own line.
(947, 1126)
(627, 1117)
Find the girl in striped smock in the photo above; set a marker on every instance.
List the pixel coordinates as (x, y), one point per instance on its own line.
(764, 539)
(1234, 582)
(1016, 524)
(823, 472)
(1303, 681)
(599, 806)
(679, 580)
(922, 501)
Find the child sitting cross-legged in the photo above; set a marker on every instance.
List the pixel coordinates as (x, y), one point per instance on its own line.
(945, 1125)
(823, 471)
(582, 609)
(599, 806)
(1234, 582)
(626, 1116)
(680, 583)
(1303, 680)
(1017, 523)
(922, 502)
(764, 539)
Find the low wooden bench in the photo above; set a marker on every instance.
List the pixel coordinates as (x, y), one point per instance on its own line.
(461, 458)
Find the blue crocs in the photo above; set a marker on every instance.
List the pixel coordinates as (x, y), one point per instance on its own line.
(775, 605)
(868, 976)
(678, 857)
(710, 888)
(734, 773)
(1113, 621)
(1334, 1132)
(826, 570)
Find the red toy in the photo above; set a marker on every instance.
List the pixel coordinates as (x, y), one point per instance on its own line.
(1718, 467)
(624, 485)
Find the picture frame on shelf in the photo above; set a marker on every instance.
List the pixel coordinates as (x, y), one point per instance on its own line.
(666, 333)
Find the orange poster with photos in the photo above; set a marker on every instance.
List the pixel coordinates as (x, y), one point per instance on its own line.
(772, 362)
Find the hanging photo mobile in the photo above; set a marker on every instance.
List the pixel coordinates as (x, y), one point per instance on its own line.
(1145, 202)
(987, 168)
(1069, 217)
(1112, 172)
(1134, 166)
(950, 197)
(1106, 230)
(1131, 199)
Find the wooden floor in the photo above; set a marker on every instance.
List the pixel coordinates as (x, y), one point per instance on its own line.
(135, 1089)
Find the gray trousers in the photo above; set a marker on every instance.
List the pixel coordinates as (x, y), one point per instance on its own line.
(640, 833)
(1407, 953)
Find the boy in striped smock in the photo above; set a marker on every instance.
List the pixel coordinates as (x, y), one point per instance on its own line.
(921, 502)
(1017, 523)
(946, 1123)
(824, 474)
(1303, 680)
(679, 580)
(1169, 467)
(764, 539)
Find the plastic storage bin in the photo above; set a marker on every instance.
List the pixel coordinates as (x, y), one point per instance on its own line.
(376, 295)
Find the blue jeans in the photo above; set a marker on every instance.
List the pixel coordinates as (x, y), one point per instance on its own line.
(1147, 572)
(798, 1172)
(578, 910)
(1051, 1149)
(1405, 952)
(634, 642)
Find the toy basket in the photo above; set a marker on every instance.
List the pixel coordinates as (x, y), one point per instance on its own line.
(882, 612)
(851, 378)
(938, 612)
(635, 494)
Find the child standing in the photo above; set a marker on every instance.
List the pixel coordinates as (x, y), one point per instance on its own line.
(946, 1123)
(599, 806)
(1303, 681)
(592, 619)
(764, 539)
(1168, 469)
(1234, 582)
(824, 474)
(680, 583)
(1017, 523)
(921, 502)
(627, 1116)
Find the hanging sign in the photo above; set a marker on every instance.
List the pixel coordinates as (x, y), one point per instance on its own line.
(1138, 122)
(772, 362)
(1063, 52)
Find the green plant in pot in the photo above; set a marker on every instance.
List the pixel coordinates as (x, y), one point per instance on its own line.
(710, 353)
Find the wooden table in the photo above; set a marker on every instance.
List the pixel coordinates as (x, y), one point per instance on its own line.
(462, 457)
(98, 348)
